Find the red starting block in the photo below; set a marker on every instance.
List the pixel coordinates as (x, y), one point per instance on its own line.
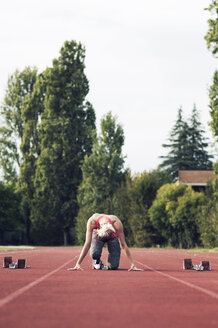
(7, 261)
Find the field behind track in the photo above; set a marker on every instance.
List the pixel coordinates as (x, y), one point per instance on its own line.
(163, 295)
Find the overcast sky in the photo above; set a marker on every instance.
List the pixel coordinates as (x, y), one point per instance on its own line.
(144, 59)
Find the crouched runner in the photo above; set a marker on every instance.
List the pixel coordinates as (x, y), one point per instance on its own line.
(101, 229)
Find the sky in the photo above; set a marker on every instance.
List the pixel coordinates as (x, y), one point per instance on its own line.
(144, 60)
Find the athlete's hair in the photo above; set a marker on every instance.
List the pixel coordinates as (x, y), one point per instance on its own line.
(105, 230)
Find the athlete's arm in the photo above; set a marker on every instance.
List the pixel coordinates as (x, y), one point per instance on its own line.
(119, 228)
(86, 246)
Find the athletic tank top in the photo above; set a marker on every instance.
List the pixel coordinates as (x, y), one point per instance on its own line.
(114, 234)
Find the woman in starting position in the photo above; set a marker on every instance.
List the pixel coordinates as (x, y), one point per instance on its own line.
(101, 229)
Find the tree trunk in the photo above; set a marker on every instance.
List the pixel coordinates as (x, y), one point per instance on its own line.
(65, 237)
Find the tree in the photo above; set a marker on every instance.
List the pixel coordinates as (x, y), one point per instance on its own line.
(64, 132)
(208, 218)
(199, 157)
(175, 212)
(214, 104)
(10, 217)
(19, 86)
(178, 141)
(142, 194)
(187, 146)
(212, 44)
(103, 172)
(32, 108)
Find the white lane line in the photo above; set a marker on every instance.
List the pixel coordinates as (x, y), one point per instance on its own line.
(22, 290)
(200, 289)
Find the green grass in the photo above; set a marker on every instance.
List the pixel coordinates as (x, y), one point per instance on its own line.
(14, 248)
(203, 250)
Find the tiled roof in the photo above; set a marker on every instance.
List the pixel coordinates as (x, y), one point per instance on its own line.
(196, 177)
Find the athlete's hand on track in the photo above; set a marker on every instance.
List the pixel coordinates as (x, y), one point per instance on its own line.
(77, 267)
(133, 268)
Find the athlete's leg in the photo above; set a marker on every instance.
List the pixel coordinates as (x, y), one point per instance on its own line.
(113, 253)
(96, 247)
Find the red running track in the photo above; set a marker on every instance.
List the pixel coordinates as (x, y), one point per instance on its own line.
(164, 295)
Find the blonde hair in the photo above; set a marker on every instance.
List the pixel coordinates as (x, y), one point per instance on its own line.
(105, 230)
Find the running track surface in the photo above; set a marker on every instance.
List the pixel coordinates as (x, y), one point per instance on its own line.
(163, 295)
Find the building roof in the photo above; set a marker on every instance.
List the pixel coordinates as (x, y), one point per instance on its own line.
(196, 177)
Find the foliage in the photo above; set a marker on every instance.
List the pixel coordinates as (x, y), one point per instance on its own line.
(10, 218)
(19, 86)
(208, 218)
(213, 94)
(212, 44)
(187, 146)
(64, 132)
(174, 214)
(102, 173)
(212, 34)
(142, 193)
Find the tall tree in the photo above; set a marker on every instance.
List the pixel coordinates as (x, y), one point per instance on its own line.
(65, 133)
(177, 145)
(212, 44)
(188, 146)
(19, 86)
(32, 108)
(103, 172)
(200, 159)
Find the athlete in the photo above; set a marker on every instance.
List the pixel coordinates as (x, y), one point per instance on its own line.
(101, 229)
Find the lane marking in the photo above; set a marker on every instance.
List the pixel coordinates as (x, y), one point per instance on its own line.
(200, 289)
(22, 290)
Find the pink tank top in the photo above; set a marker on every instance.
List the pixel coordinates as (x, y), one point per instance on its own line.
(114, 234)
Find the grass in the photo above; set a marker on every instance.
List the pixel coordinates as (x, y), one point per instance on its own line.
(203, 250)
(14, 248)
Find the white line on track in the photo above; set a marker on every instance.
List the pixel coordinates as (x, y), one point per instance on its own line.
(22, 290)
(200, 289)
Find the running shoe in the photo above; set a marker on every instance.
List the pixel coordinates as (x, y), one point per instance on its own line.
(97, 264)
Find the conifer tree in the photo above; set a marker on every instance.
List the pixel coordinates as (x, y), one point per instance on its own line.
(199, 157)
(188, 146)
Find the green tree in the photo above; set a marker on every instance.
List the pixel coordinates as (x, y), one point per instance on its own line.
(142, 194)
(10, 217)
(19, 86)
(159, 215)
(103, 172)
(199, 157)
(175, 213)
(177, 156)
(213, 92)
(184, 218)
(32, 108)
(208, 218)
(65, 133)
(212, 44)
(187, 146)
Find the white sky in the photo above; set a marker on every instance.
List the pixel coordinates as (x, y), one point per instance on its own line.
(144, 59)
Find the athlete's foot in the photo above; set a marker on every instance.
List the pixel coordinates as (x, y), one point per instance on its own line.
(97, 265)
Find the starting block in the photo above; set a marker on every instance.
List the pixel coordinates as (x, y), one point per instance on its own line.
(206, 265)
(203, 266)
(7, 261)
(21, 264)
